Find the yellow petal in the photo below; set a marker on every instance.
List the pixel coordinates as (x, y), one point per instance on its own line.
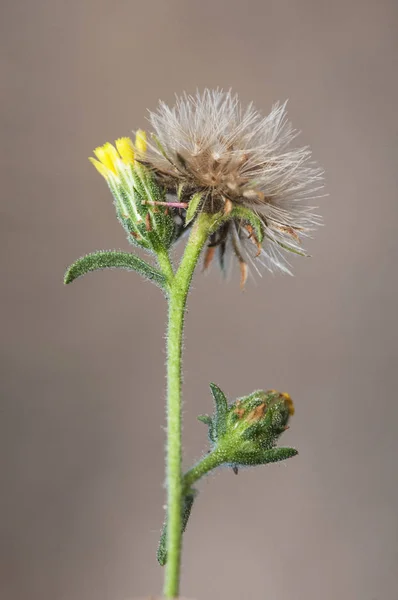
(140, 141)
(126, 149)
(289, 403)
(107, 155)
(101, 168)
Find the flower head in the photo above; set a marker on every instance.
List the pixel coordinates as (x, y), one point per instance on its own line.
(139, 201)
(111, 162)
(240, 164)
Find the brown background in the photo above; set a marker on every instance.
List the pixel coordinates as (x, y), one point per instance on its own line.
(82, 411)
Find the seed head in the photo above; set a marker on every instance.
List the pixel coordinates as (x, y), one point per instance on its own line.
(243, 165)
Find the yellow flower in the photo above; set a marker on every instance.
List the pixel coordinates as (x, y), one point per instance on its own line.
(140, 204)
(140, 141)
(125, 148)
(109, 157)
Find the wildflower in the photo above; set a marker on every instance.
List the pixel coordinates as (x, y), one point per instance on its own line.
(139, 201)
(112, 162)
(234, 161)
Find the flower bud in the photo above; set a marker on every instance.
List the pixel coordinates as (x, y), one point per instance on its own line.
(246, 431)
(139, 201)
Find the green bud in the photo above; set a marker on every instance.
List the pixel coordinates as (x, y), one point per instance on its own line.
(243, 433)
(246, 431)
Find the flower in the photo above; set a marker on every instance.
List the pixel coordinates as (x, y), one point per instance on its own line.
(241, 164)
(112, 162)
(116, 164)
(139, 201)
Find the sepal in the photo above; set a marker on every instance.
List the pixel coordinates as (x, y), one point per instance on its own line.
(249, 217)
(278, 454)
(220, 416)
(207, 420)
(193, 207)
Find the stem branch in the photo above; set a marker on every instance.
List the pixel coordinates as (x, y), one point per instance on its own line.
(165, 265)
(206, 464)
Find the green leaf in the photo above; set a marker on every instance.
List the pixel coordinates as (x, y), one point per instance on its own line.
(220, 420)
(246, 214)
(161, 554)
(186, 511)
(193, 207)
(112, 259)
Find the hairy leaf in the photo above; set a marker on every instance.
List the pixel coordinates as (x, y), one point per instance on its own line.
(162, 550)
(112, 259)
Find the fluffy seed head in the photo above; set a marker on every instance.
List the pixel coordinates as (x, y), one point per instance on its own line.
(237, 159)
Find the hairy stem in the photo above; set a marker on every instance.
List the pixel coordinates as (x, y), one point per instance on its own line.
(204, 466)
(177, 300)
(165, 265)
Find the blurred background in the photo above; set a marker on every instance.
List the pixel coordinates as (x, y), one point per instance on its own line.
(82, 409)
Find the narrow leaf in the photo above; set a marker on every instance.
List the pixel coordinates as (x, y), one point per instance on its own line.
(193, 207)
(110, 259)
(162, 548)
(161, 554)
(221, 403)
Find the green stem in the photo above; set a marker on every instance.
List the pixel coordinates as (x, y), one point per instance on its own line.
(177, 300)
(165, 264)
(206, 464)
